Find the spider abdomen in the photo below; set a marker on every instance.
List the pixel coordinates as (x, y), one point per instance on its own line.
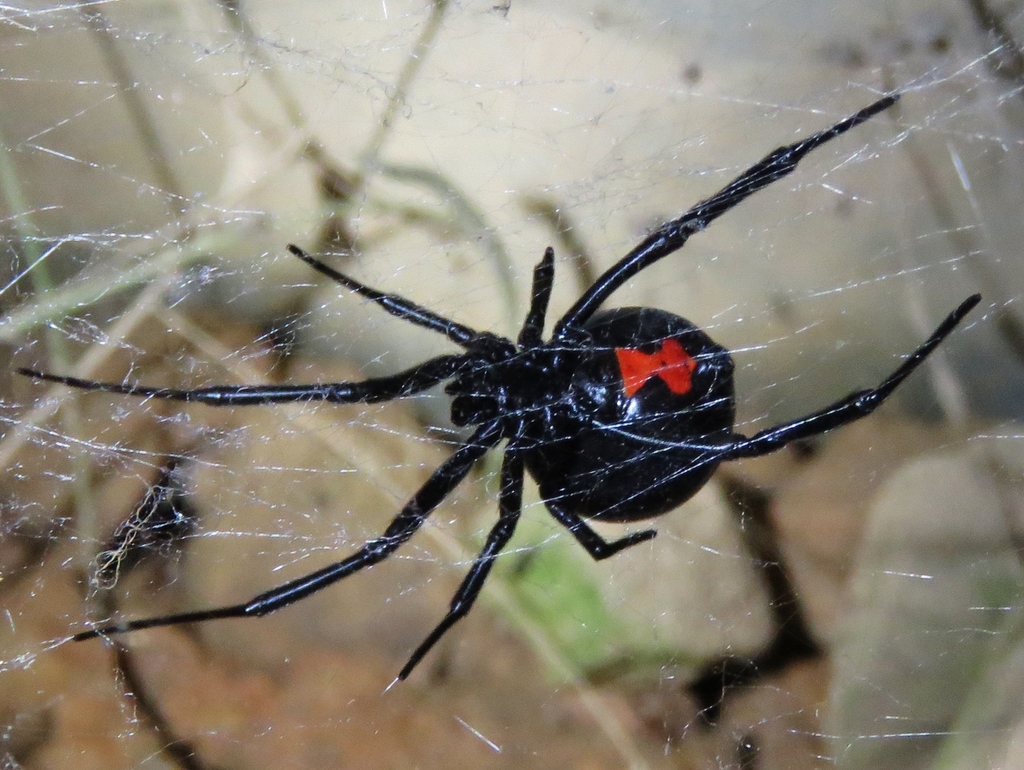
(652, 400)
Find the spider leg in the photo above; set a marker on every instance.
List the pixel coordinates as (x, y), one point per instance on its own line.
(671, 236)
(402, 527)
(854, 406)
(595, 545)
(392, 303)
(406, 383)
(532, 333)
(509, 508)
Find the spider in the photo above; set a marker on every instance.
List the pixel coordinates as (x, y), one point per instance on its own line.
(621, 416)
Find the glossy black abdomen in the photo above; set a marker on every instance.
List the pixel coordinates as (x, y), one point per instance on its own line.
(645, 400)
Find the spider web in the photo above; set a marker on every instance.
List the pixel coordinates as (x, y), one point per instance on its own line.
(157, 157)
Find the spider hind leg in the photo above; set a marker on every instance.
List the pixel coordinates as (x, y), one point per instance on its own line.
(408, 521)
(856, 405)
(509, 508)
(595, 545)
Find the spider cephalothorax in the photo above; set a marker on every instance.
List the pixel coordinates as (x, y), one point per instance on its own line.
(621, 415)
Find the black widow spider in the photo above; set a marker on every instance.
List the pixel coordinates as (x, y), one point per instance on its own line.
(622, 415)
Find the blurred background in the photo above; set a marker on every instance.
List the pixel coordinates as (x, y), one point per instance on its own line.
(156, 158)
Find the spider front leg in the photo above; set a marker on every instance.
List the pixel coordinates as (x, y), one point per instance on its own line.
(853, 407)
(407, 383)
(398, 306)
(532, 333)
(403, 526)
